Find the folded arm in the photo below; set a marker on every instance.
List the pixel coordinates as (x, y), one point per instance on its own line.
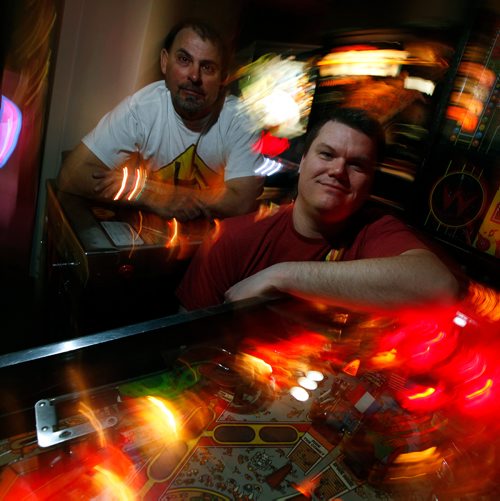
(84, 174)
(414, 278)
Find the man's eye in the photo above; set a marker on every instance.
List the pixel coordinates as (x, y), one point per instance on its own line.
(208, 69)
(183, 59)
(358, 167)
(326, 155)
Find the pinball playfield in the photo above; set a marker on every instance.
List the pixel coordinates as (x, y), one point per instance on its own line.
(288, 401)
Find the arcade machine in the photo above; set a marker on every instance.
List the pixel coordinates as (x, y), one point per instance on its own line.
(458, 189)
(436, 93)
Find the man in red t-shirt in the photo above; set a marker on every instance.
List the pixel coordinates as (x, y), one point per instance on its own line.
(326, 245)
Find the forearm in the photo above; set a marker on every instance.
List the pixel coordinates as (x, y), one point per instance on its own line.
(234, 197)
(410, 279)
(77, 172)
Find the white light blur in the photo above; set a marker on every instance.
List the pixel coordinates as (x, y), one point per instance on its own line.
(363, 62)
(299, 393)
(269, 167)
(315, 375)
(460, 320)
(420, 84)
(277, 94)
(307, 383)
(280, 108)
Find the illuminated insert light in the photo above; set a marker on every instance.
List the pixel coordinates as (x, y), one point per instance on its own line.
(10, 127)
(307, 383)
(315, 375)
(299, 393)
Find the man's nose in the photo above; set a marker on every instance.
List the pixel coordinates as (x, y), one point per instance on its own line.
(337, 167)
(195, 74)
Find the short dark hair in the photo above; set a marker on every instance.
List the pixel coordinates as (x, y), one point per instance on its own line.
(356, 118)
(206, 32)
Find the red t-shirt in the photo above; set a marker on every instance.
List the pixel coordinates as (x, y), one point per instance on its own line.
(246, 245)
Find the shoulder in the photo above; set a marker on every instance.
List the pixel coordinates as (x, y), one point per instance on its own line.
(232, 113)
(376, 218)
(248, 228)
(151, 95)
(377, 233)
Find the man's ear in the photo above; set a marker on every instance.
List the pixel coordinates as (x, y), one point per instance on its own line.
(163, 60)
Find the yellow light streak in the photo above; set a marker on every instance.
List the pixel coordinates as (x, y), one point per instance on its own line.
(481, 391)
(166, 413)
(423, 394)
(86, 411)
(118, 487)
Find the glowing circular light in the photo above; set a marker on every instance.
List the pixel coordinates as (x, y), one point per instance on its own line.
(315, 375)
(299, 393)
(307, 383)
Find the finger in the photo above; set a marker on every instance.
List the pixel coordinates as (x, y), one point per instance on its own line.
(99, 174)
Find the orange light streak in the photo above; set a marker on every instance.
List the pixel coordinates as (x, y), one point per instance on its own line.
(119, 489)
(86, 411)
(124, 183)
(307, 487)
(417, 456)
(482, 391)
(174, 238)
(423, 394)
(486, 301)
(216, 231)
(265, 211)
(385, 358)
(134, 238)
(166, 413)
(138, 180)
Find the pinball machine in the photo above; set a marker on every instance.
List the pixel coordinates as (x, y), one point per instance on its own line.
(273, 400)
(108, 265)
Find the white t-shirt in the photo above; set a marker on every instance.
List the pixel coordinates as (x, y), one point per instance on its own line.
(146, 123)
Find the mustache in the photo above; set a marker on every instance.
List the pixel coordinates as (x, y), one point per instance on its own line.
(192, 88)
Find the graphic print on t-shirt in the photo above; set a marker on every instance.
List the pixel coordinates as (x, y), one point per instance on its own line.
(188, 170)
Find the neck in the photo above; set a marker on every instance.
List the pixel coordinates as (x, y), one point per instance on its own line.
(195, 124)
(313, 225)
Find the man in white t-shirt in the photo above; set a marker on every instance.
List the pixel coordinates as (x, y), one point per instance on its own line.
(179, 148)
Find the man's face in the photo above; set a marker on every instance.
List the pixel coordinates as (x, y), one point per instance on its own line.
(337, 172)
(192, 70)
